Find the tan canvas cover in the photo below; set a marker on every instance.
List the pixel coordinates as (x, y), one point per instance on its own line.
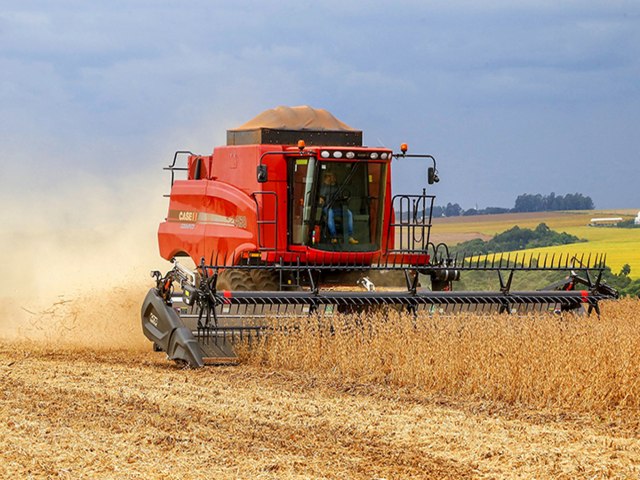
(296, 118)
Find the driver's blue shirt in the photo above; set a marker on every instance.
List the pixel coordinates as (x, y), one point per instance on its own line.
(329, 192)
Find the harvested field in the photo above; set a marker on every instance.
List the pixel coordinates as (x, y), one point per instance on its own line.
(520, 398)
(492, 224)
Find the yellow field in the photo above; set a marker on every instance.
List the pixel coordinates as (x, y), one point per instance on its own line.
(621, 245)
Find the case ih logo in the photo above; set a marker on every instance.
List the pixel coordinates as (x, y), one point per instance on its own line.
(183, 216)
(190, 217)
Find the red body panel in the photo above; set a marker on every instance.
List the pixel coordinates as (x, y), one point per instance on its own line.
(206, 217)
(216, 216)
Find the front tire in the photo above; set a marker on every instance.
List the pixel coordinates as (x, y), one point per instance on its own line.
(235, 280)
(265, 280)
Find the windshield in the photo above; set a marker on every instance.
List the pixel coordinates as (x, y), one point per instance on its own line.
(337, 206)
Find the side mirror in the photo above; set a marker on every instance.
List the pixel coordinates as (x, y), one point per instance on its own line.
(432, 176)
(261, 175)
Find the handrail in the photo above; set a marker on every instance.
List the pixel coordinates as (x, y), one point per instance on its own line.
(262, 222)
(417, 230)
(172, 168)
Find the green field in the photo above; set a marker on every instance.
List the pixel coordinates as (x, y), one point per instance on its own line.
(621, 245)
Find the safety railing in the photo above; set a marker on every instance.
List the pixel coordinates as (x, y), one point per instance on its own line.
(173, 168)
(412, 225)
(262, 222)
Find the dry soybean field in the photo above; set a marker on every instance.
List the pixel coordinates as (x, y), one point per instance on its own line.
(382, 397)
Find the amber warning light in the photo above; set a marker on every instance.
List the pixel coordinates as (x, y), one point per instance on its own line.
(404, 147)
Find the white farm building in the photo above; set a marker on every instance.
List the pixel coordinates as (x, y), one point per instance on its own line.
(605, 222)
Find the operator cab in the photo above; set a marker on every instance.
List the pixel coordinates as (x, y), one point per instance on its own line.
(337, 205)
(335, 194)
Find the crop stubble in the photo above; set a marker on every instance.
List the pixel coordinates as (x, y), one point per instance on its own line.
(446, 397)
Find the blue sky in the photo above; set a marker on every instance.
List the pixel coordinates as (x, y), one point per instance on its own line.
(511, 97)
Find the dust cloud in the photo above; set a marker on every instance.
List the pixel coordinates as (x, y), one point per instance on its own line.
(77, 259)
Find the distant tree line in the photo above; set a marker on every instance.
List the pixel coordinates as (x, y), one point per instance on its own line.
(524, 203)
(486, 211)
(546, 203)
(628, 224)
(621, 282)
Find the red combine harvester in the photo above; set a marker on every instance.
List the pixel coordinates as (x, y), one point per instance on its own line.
(295, 207)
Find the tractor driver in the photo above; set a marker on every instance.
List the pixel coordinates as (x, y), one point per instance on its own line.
(332, 205)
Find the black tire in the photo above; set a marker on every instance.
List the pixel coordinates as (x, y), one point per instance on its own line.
(265, 280)
(235, 280)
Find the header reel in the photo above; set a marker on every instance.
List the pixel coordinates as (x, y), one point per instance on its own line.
(221, 304)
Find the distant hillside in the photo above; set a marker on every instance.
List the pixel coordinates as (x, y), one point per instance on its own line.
(620, 245)
(518, 238)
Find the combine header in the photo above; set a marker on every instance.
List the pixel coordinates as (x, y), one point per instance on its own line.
(295, 217)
